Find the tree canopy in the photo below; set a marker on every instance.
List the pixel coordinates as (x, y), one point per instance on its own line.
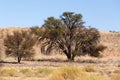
(20, 45)
(69, 35)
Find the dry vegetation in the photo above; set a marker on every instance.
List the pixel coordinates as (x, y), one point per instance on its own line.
(112, 41)
(55, 67)
(58, 73)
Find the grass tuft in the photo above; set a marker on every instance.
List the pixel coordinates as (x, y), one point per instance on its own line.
(43, 72)
(89, 68)
(66, 73)
(97, 77)
(8, 72)
(27, 72)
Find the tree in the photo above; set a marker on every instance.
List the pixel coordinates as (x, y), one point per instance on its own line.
(69, 34)
(20, 45)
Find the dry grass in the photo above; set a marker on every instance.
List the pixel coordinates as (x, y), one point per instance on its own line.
(66, 73)
(43, 72)
(58, 73)
(115, 77)
(8, 72)
(112, 41)
(89, 68)
(26, 72)
(55, 67)
(74, 73)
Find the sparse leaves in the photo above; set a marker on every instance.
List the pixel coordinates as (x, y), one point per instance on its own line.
(20, 44)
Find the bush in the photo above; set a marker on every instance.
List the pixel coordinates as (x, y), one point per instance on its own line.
(20, 45)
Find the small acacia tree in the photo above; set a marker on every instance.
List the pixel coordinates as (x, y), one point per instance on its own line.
(20, 45)
(69, 35)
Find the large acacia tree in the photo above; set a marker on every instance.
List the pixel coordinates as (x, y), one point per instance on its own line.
(20, 44)
(69, 35)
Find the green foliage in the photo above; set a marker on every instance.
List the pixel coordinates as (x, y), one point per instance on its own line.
(69, 35)
(20, 45)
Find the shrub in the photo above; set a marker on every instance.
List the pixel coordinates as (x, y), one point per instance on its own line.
(20, 45)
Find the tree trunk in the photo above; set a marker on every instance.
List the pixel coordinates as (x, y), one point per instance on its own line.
(69, 56)
(19, 59)
(73, 57)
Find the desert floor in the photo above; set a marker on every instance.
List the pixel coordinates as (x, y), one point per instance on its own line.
(104, 66)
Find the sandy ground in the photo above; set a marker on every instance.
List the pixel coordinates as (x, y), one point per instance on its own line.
(107, 64)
